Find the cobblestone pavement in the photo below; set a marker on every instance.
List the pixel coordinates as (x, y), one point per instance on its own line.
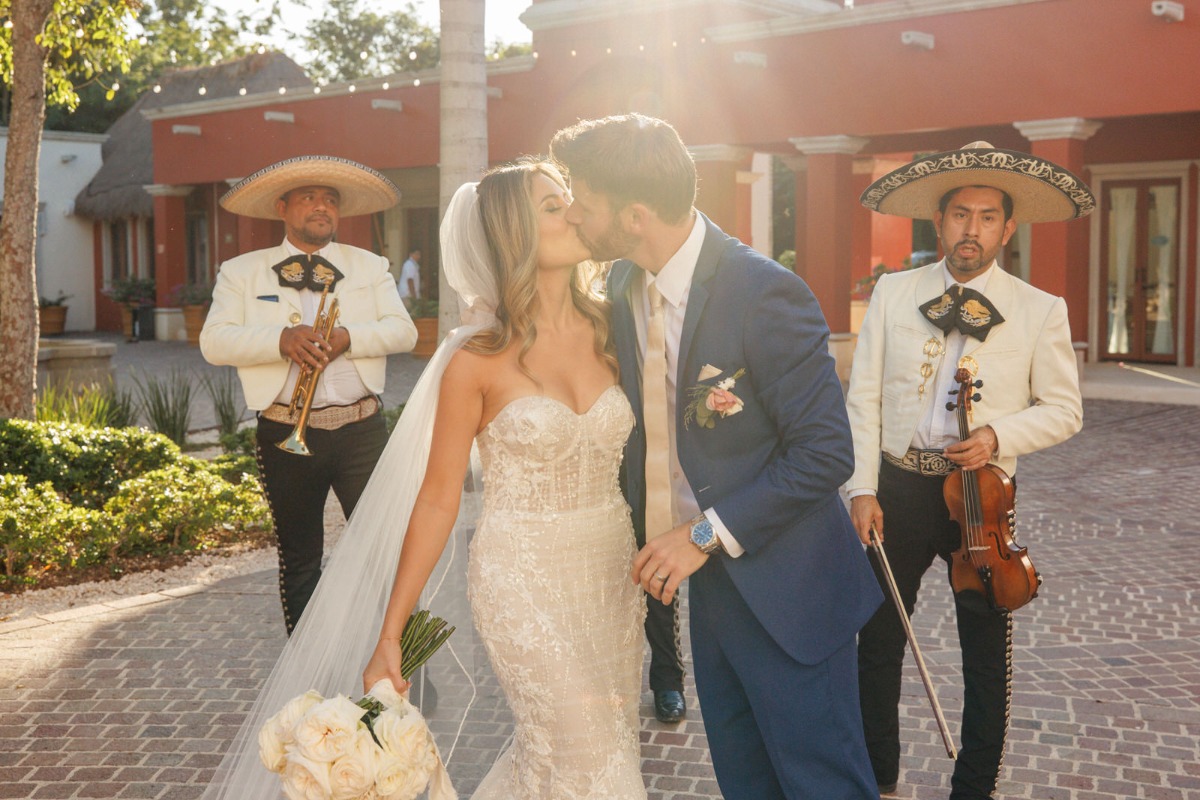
(138, 698)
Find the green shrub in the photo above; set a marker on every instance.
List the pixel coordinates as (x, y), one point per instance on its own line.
(84, 465)
(225, 392)
(392, 415)
(242, 442)
(94, 405)
(167, 402)
(183, 506)
(234, 467)
(40, 531)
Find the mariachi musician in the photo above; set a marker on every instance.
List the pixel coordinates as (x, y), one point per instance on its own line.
(264, 321)
(922, 325)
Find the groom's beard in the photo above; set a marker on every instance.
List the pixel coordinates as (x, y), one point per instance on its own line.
(614, 243)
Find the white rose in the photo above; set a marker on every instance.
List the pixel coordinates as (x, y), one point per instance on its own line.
(328, 729)
(396, 778)
(270, 747)
(304, 779)
(352, 775)
(405, 736)
(291, 713)
(726, 384)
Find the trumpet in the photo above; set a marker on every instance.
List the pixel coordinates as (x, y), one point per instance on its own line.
(306, 383)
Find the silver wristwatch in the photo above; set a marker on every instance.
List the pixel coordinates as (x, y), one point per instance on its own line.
(704, 537)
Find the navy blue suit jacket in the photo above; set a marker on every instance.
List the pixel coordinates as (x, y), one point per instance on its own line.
(773, 470)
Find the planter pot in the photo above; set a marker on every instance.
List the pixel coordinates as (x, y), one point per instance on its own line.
(52, 320)
(193, 322)
(427, 333)
(127, 323)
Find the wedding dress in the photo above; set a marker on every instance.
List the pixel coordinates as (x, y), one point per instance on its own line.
(551, 598)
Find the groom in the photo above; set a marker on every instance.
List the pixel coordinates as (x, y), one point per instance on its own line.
(733, 467)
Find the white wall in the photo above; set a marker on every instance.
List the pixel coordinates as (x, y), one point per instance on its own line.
(64, 255)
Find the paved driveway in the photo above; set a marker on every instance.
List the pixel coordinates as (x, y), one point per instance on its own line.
(138, 698)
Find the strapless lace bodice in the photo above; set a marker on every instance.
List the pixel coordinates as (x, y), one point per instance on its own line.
(540, 457)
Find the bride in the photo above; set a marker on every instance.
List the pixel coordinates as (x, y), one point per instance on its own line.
(531, 380)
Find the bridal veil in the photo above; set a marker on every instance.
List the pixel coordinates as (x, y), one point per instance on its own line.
(337, 633)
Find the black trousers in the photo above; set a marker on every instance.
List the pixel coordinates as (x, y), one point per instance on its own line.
(296, 488)
(918, 528)
(662, 633)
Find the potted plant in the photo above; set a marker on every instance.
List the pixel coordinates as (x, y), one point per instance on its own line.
(130, 294)
(52, 314)
(194, 299)
(424, 313)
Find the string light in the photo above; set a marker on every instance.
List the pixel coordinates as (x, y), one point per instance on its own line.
(203, 90)
(385, 85)
(262, 49)
(417, 82)
(283, 90)
(572, 54)
(353, 88)
(316, 90)
(535, 54)
(363, 55)
(412, 55)
(642, 48)
(116, 87)
(157, 88)
(242, 91)
(608, 51)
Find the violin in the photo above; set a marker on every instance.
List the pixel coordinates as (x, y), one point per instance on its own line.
(989, 561)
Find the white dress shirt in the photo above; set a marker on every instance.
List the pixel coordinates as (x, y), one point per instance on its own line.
(674, 282)
(339, 384)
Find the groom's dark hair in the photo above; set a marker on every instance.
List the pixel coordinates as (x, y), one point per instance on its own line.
(630, 158)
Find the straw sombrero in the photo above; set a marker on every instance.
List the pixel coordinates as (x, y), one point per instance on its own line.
(362, 189)
(1041, 190)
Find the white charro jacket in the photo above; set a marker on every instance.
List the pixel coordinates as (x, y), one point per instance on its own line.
(1030, 394)
(250, 310)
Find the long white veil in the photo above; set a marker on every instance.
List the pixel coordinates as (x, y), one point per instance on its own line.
(337, 633)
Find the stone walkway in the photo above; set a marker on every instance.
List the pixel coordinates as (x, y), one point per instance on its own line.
(138, 698)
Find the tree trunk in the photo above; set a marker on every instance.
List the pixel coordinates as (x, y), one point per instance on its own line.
(464, 145)
(18, 227)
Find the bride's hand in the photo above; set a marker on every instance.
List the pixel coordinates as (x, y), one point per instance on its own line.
(385, 663)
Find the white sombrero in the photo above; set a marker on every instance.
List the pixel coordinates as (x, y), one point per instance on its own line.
(362, 189)
(1041, 191)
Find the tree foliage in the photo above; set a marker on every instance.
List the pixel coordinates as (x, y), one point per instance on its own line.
(83, 40)
(350, 42)
(174, 34)
(46, 48)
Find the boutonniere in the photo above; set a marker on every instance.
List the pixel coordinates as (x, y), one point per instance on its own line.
(707, 401)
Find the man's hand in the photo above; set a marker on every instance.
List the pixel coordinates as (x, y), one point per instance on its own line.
(663, 564)
(339, 342)
(305, 346)
(975, 451)
(865, 512)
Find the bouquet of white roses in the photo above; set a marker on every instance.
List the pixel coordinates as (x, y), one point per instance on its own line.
(378, 748)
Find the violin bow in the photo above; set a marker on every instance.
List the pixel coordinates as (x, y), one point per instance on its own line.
(947, 740)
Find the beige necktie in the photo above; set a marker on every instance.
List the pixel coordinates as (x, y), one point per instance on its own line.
(654, 416)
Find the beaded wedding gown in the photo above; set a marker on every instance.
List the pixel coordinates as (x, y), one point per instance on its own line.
(551, 598)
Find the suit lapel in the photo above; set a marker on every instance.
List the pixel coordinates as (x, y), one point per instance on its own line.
(624, 333)
(714, 245)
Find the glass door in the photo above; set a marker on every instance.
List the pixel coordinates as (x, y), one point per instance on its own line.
(1140, 264)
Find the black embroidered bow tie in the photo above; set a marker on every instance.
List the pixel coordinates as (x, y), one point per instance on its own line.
(307, 272)
(965, 309)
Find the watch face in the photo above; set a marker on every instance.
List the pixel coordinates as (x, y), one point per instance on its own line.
(702, 532)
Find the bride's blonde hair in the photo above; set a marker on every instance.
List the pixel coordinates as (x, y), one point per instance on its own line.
(510, 226)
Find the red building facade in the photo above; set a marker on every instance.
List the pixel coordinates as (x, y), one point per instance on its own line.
(840, 94)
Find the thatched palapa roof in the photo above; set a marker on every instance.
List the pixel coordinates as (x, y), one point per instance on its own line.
(117, 190)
